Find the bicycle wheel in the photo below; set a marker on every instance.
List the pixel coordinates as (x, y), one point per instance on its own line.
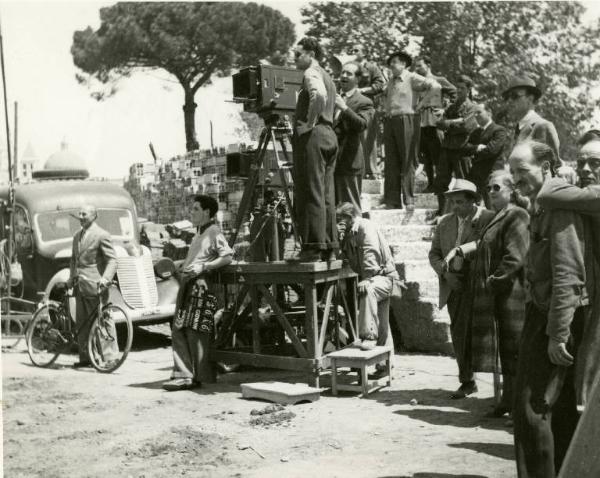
(47, 336)
(12, 331)
(110, 339)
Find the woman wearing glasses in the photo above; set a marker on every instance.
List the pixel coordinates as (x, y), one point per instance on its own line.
(498, 310)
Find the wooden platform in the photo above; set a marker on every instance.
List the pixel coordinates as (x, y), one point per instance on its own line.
(260, 280)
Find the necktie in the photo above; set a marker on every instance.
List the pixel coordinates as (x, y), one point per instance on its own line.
(517, 131)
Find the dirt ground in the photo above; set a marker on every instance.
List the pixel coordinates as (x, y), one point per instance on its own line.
(78, 423)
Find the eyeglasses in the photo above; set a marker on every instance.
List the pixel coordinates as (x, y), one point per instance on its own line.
(514, 96)
(495, 188)
(592, 161)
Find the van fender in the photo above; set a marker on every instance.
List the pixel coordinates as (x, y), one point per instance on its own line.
(61, 276)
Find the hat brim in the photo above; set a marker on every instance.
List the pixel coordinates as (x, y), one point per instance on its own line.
(537, 93)
(403, 56)
(468, 192)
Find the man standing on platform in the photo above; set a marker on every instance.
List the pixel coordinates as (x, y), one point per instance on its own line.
(464, 224)
(353, 113)
(369, 255)
(429, 103)
(486, 144)
(545, 411)
(315, 150)
(401, 131)
(371, 84)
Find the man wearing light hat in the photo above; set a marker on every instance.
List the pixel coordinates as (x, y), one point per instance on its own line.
(522, 95)
(462, 225)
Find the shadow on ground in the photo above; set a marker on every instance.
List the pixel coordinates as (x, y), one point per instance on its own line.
(499, 450)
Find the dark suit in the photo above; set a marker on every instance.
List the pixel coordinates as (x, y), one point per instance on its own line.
(371, 78)
(494, 137)
(350, 163)
(538, 129)
(458, 301)
(92, 258)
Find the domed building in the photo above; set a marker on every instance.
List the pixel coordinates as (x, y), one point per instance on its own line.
(64, 164)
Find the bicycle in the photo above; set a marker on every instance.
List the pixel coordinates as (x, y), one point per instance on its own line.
(53, 331)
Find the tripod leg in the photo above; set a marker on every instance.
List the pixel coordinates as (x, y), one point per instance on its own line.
(286, 189)
(249, 190)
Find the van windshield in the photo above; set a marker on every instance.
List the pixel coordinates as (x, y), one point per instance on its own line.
(61, 225)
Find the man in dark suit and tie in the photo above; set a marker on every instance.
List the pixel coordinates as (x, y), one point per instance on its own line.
(486, 144)
(93, 266)
(353, 113)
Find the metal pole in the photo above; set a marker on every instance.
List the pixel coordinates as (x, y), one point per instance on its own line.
(16, 153)
(11, 191)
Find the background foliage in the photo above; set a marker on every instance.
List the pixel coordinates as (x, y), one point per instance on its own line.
(489, 41)
(192, 41)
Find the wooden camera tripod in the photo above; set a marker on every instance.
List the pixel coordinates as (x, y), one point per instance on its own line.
(277, 130)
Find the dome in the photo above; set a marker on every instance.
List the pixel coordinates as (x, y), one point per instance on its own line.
(64, 164)
(65, 159)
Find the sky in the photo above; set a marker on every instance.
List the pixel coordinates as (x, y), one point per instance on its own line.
(112, 134)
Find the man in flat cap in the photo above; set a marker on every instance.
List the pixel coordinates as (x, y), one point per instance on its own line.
(401, 131)
(464, 224)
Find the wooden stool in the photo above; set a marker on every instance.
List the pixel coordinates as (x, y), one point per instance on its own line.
(354, 357)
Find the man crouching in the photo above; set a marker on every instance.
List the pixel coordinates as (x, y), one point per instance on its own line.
(369, 255)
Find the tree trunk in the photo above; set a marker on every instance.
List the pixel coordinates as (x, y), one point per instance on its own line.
(189, 110)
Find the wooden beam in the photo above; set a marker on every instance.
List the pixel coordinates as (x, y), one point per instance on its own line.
(311, 322)
(280, 315)
(329, 296)
(255, 320)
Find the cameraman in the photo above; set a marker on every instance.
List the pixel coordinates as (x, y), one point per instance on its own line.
(315, 149)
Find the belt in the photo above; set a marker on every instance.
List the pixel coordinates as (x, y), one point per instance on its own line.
(325, 122)
(396, 115)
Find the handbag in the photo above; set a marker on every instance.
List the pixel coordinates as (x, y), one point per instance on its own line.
(198, 309)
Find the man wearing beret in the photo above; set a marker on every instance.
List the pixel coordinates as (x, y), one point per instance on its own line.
(401, 131)
(464, 224)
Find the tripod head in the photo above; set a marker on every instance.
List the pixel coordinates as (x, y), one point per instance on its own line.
(277, 122)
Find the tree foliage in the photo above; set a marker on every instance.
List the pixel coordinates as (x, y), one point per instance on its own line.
(191, 41)
(489, 41)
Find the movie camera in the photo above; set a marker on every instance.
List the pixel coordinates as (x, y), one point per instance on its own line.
(267, 89)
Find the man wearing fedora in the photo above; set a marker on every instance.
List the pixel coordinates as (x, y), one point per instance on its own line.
(522, 95)
(462, 225)
(401, 131)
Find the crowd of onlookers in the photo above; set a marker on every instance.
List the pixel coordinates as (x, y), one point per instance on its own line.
(516, 244)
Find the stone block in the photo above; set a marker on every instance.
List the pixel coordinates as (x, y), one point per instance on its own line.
(423, 327)
(372, 186)
(398, 234)
(401, 217)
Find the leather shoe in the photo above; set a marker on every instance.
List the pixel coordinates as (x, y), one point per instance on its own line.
(305, 256)
(328, 256)
(177, 384)
(498, 412)
(464, 390)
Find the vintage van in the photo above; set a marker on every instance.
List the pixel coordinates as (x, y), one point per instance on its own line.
(45, 220)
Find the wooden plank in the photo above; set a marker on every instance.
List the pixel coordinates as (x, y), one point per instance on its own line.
(349, 315)
(329, 296)
(255, 320)
(281, 392)
(583, 456)
(270, 361)
(311, 322)
(280, 316)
